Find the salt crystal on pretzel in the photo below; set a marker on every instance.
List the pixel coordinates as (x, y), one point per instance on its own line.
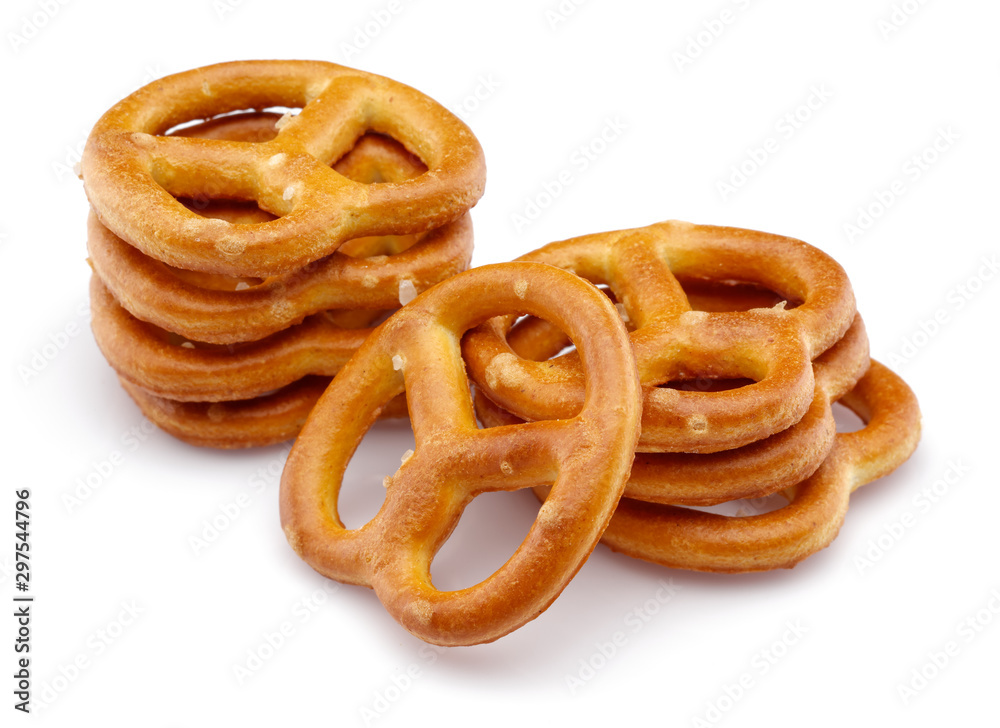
(407, 292)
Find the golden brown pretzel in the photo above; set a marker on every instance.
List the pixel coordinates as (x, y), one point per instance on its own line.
(257, 422)
(167, 366)
(225, 310)
(773, 347)
(752, 471)
(587, 457)
(133, 174)
(688, 539)
(154, 293)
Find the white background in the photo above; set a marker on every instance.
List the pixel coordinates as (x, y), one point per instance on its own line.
(557, 84)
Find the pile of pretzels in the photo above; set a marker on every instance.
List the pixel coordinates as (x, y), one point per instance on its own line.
(278, 250)
(241, 259)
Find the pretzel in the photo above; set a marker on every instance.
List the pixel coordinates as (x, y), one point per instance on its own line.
(257, 422)
(169, 366)
(773, 347)
(687, 539)
(225, 310)
(133, 174)
(752, 471)
(587, 456)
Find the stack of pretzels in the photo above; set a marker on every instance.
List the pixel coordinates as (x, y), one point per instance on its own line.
(629, 378)
(239, 260)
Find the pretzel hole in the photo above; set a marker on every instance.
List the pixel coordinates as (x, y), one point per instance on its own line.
(379, 245)
(718, 296)
(213, 281)
(363, 489)
(213, 198)
(846, 419)
(243, 125)
(490, 530)
(377, 159)
(535, 339)
(708, 383)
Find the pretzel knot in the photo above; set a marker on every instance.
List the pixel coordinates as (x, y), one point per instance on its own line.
(133, 173)
(643, 269)
(585, 457)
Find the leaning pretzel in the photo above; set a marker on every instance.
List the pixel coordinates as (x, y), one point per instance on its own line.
(752, 471)
(133, 174)
(773, 347)
(587, 456)
(688, 539)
